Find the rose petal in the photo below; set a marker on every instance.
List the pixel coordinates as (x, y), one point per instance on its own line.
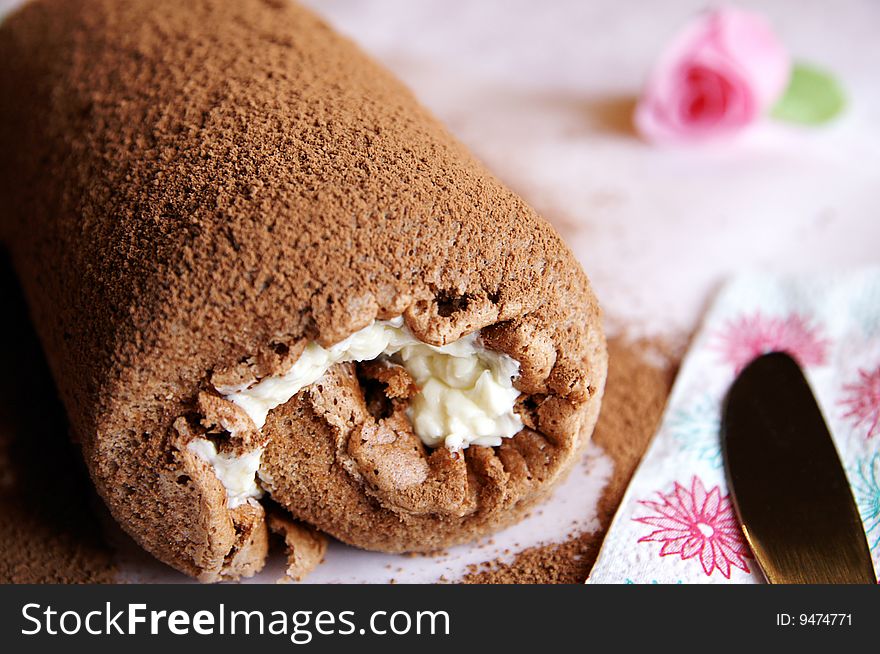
(748, 39)
(719, 74)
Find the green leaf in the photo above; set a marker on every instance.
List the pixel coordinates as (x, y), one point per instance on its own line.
(812, 97)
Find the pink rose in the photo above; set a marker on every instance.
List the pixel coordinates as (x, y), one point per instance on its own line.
(721, 72)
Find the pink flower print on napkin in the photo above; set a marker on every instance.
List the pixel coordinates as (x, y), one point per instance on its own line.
(743, 339)
(861, 402)
(699, 525)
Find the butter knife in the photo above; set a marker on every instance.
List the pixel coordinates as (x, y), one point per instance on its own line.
(788, 485)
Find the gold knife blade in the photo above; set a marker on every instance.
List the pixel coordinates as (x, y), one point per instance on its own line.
(788, 485)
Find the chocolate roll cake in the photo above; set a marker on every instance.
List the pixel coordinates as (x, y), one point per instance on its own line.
(267, 279)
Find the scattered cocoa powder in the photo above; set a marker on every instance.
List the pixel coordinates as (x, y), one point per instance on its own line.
(48, 532)
(640, 376)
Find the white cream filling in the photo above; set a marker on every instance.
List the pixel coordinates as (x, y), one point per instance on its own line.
(466, 394)
(466, 398)
(236, 473)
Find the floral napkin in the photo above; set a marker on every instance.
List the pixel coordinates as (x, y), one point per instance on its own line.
(676, 523)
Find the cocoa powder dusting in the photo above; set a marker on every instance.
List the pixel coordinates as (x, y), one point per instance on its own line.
(638, 384)
(48, 532)
(181, 180)
(185, 185)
